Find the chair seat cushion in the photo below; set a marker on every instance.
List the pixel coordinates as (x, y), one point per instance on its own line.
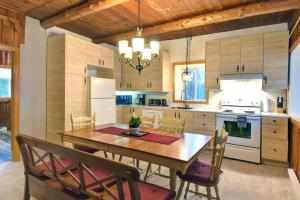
(149, 191)
(42, 169)
(85, 148)
(198, 172)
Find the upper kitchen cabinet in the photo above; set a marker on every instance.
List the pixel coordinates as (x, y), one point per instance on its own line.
(156, 77)
(252, 57)
(212, 64)
(75, 54)
(276, 46)
(230, 55)
(99, 55)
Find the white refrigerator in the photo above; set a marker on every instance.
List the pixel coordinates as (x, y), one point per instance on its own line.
(102, 99)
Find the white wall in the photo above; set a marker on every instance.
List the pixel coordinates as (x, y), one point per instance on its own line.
(33, 80)
(294, 91)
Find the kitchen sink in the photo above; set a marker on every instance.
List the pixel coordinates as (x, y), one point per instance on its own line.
(183, 108)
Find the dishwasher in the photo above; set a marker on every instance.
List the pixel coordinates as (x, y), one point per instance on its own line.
(153, 113)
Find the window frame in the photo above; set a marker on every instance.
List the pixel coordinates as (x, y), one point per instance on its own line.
(173, 83)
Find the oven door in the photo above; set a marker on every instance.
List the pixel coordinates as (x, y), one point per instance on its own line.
(249, 135)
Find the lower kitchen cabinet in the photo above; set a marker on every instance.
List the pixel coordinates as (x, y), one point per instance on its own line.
(204, 123)
(124, 113)
(275, 138)
(188, 116)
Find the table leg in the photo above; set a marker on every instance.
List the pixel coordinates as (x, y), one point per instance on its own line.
(173, 179)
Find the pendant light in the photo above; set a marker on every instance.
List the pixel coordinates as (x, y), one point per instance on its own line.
(186, 75)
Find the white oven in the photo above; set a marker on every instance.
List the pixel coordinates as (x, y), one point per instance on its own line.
(244, 142)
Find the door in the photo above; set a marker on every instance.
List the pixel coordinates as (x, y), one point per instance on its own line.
(105, 110)
(94, 54)
(230, 56)
(212, 64)
(238, 135)
(252, 57)
(276, 49)
(107, 55)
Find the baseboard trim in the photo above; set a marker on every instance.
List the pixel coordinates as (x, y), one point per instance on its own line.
(295, 183)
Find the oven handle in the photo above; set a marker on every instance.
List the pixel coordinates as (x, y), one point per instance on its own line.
(236, 117)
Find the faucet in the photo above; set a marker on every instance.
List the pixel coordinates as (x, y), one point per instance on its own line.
(186, 105)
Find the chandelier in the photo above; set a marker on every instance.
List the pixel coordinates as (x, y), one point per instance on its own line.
(142, 54)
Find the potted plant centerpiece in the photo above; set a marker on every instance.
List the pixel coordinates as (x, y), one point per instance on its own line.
(134, 124)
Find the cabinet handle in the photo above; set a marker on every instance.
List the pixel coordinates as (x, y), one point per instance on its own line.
(147, 85)
(103, 62)
(218, 81)
(274, 121)
(266, 79)
(275, 132)
(150, 85)
(275, 150)
(99, 62)
(120, 85)
(204, 115)
(204, 124)
(243, 67)
(130, 110)
(237, 68)
(179, 115)
(85, 70)
(130, 85)
(175, 114)
(84, 80)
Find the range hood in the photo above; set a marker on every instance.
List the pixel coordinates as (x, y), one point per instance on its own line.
(241, 76)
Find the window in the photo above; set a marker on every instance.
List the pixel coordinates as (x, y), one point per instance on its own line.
(5, 83)
(193, 91)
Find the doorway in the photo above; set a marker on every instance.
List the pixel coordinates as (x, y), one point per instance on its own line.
(5, 105)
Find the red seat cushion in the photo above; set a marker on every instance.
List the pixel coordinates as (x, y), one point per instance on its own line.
(197, 172)
(41, 169)
(85, 148)
(150, 192)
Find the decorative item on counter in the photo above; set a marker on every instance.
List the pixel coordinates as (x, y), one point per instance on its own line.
(267, 105)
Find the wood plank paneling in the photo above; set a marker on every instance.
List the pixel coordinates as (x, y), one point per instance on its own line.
(295, 158)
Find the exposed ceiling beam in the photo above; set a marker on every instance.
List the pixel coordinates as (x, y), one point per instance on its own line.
(91, 6)
(251, 10)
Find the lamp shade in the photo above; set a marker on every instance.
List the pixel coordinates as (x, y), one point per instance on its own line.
(146, 54)
(123, 44)
(186, 75)
(154, 45)
(128, 53)
(137, 44)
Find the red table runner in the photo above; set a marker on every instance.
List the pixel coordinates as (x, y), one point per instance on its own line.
(151, 137)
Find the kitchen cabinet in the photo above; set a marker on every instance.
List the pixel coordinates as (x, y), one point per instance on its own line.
(204, 123)
(230, 55)
(126, 113)
(275, 138)
(212, 64)
(99, 55)
(275, 71)
(252, 57)
(181, 115)
(156, 77)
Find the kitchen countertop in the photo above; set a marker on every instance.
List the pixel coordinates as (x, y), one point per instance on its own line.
(273, 114)
(170, 108)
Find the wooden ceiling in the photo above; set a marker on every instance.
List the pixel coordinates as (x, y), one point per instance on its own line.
(120, 16)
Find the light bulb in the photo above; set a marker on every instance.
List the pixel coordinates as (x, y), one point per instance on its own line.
(123, 44)
(128, 53)
(137, 44)
(146, 54)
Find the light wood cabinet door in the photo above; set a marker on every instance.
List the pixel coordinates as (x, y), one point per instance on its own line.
(230, 56)
(76, 97)
(126, 114)
(107, 57)
(119, 114)
(188, 117)
(275, 149)
(252, 55)
(169, 114)
(151, 77)
(212, 64)
(75, 55)
(93, 54)
(275, 71)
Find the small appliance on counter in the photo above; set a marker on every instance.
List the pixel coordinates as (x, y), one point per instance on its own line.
(157, 102)
(123, 99)
(141, 99)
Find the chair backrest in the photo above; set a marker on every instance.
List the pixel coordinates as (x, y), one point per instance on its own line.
(83, 121)
(171, 125)
(147, 122)
(37, 152)
(218, 153)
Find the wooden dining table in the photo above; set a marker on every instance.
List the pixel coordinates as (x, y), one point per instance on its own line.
(177, 156)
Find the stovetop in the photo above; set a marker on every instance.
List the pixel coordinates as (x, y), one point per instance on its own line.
(241, 107)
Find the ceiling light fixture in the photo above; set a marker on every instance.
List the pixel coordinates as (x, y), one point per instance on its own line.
(142, 56)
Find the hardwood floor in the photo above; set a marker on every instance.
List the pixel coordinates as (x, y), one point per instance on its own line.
(240, 181)
(5, 148)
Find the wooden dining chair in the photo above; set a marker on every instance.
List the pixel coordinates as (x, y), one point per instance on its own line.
(84, 122)
(175, 126)
(203, 174)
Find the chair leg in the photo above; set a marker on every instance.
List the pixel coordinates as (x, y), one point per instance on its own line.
(197, 187)
(120, 158)
(105, 154)
(113, 156)
(187, 190)
(180, 190)
(159, 169)
(26, 189)
(147, 171)
(208, 193)
(217, 192)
